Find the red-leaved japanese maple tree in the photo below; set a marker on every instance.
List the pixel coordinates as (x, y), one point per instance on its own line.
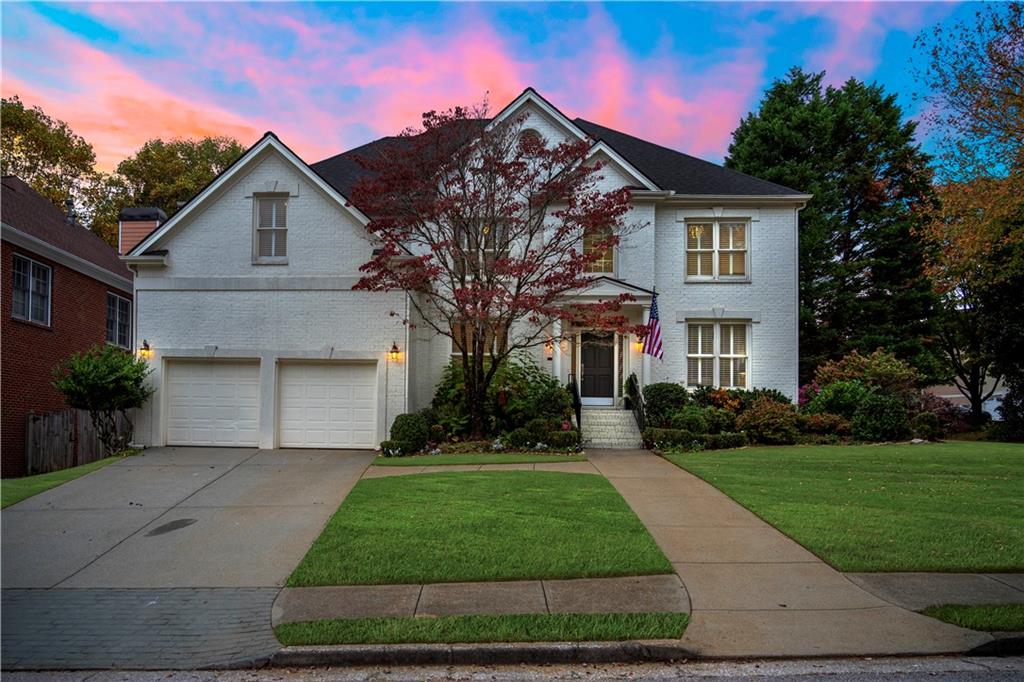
(483, 225)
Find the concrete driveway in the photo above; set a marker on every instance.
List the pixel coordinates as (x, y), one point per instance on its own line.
(179, 517)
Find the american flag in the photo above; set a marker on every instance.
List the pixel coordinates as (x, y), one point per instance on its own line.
(652, 342)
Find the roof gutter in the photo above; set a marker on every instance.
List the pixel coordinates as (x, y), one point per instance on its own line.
(153, 259)
(58, 255)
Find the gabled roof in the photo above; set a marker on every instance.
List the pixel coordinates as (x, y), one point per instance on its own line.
(25, 210)
(268, 141)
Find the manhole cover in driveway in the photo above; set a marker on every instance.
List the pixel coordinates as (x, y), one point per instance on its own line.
(170, 526)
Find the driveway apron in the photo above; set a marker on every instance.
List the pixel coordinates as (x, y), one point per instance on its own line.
(171, 558)
(754, 591)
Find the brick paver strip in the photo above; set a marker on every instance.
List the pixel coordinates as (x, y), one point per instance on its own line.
(634, 594)
(754, 591)
(171, 628)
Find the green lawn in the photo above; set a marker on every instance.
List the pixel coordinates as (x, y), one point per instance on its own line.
(988, 617)
(480, 526)
(14, 490)
(475, 458)
(573, 627)
(935, 507)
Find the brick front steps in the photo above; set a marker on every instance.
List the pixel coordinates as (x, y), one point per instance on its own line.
(609, 427)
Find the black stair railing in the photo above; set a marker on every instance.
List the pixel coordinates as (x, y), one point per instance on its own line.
(636, 400)
(577, 403)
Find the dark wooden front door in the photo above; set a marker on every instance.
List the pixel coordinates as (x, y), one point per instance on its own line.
(597, 353)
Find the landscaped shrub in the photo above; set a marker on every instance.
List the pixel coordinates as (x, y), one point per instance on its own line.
(724, 440)
(691, 418)
(719, 420)
(394, 448)
(563, 440)
(880, 418)
(539, 428)
(518, 439)
(952, 417)
(842, 398)
(773, 394)
(824, 424)
(769, 422)
(881, 370)
(667, 438)
(662, 401)
(412, 430)
(722, 398)
(807, 393)
(466, 446)
(926, 426)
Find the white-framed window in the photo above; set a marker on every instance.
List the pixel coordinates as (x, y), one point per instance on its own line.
(717, 354)
(717, 250)
(270, 240)
(119, 320)
(32, 284)
(605, 262)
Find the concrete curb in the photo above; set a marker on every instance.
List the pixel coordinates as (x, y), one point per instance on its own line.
(481, 654)
(1004, 644)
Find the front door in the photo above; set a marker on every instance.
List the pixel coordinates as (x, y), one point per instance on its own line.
(597, 367)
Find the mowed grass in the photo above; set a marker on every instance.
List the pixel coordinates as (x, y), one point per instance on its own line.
(480, 526)
(935, 507)
(14, 490)
(475, 458)
(572, 627)
(987, 617)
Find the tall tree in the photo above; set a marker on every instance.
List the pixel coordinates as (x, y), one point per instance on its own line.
(862, 284)
(490, 230)
(973, 83)
(44, 152)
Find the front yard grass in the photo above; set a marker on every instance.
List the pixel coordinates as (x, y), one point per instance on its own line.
(935, 507)
(987, 617)
(14, 490)
(480, 526)
(572, 627)
(475, 458)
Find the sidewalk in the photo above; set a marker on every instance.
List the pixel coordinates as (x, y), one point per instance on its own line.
(754, 591)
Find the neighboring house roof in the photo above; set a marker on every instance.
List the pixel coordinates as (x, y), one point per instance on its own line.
(40, 223)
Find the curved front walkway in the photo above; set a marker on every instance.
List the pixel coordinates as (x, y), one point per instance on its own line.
(754, 591)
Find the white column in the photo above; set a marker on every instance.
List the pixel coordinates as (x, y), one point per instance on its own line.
(645, 375)
(556, 349)
(268, 400)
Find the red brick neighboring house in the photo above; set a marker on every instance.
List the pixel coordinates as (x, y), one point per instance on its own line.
(64, 290)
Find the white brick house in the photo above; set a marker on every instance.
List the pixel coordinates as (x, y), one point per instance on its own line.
(245, 307)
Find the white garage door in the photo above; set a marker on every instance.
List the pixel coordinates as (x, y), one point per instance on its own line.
(328, 405)
(213, 403)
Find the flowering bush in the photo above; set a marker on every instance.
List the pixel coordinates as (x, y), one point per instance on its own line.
(807, 393)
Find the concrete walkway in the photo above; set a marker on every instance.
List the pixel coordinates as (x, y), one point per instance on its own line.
(917, 591)
(653, 593)
(754, 591)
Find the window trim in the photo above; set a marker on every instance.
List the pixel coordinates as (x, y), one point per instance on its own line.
(613, 252)
(257, 259)
(716, 349)
(128, 339)
(716, 250)
(32, 263)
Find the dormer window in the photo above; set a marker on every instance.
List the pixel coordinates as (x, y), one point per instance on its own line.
(270, 240)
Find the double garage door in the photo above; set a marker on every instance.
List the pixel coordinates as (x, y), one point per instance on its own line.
(320, 405)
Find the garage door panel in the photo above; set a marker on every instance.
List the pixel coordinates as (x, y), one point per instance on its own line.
(213, 403)
(328, 405)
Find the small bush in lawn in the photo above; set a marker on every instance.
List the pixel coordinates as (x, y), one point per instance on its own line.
(881, 418)
(394, 448)
(662, 401)
(691, 418)
(412, 430)
(666, 438)
(539, 428)
(769, 422)
(563, 440)
(519, 438)
(719, 420)
(725, 440)
(825, 424)
(881, 370)
(842, 398)
(926, 426)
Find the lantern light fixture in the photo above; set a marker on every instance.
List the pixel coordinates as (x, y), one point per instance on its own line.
(394, 353)
(145, 352)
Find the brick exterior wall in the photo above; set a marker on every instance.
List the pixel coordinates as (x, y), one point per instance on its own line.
(78, 317)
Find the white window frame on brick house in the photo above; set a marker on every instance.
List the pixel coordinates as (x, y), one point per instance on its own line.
(609, 257)
(717, 251)
(277, 232)
(717, 354)
(122, 320)
(27, 312)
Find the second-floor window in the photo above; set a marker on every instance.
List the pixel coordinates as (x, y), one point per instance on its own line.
(605, 261)
(717, 250)
(119, 320)
(31, 290)
(716, 354)
(271, 238)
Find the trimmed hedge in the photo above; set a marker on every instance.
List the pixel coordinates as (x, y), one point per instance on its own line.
(663, 400)
(881, 418)
(563, 440)
(769, 422)
(664, 439)
(411, 429)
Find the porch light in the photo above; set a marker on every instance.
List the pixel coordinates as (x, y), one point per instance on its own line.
(145, 352)
(394, 353)
(549, 349)
(639, 345)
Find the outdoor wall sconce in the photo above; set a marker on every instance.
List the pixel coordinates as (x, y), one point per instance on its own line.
(394, 353)
(145, 352)
(549, 349)
(639, 345)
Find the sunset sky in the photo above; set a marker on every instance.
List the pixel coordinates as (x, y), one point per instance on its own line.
(328, 77)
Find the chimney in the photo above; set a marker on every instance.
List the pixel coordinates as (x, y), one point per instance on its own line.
(69, 208)
(135, 224)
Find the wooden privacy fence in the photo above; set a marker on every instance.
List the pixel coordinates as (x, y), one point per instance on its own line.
(58, 440)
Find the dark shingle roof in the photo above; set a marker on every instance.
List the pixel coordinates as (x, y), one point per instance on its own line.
(667, 168)
(24, 209)
(680, 172)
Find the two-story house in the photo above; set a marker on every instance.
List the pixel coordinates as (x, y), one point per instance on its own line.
(64, 290)
(245, 298)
